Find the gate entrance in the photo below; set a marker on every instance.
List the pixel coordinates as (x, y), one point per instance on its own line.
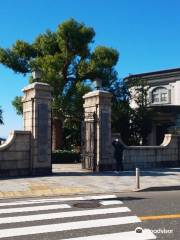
(89, 141)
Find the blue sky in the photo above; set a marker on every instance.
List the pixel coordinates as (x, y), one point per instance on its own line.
(146, 34)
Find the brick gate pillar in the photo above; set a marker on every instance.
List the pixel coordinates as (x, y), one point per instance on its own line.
(99, 101)
(37, 119)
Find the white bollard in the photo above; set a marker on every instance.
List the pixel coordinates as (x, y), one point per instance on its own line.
(137, 178)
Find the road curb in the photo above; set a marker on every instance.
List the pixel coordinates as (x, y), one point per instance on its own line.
(64, 191)
(158, 188)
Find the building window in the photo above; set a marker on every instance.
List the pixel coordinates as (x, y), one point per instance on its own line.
(164, 97)
(160, 95)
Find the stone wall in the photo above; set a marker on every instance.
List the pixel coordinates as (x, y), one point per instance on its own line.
(37, 119)
(147, 157)
(99, 102)
(15, 157)
(28, 152)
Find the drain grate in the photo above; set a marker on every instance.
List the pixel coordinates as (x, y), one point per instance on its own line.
(87, 204)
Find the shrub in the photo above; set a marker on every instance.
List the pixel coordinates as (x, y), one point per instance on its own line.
(65, 156)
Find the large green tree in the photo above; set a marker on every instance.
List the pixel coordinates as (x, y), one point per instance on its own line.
(64, 58)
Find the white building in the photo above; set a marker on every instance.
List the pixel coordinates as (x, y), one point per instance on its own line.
(164, 97)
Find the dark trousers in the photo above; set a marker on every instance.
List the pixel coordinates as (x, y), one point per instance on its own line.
(119, 165)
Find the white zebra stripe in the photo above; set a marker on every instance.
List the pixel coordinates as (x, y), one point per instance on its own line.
(59, 215)
(34, 208)
(50, 228)
(49, 200)
(110, 202)
(132, 235)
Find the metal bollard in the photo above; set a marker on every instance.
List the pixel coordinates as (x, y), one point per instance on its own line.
(137, 178)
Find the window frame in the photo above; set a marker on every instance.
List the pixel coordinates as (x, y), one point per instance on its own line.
(157, 95)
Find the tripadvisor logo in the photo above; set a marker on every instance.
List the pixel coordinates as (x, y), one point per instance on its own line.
(162, 231)
(138, 230)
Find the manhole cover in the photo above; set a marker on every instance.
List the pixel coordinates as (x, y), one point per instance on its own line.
(87, 205)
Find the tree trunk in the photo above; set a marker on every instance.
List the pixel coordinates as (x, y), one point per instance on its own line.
(57, 133)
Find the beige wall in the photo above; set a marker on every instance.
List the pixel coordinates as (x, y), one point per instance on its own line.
(15, 154)
(37, 119)
(29, 152)
(146, 157)
(99, 101)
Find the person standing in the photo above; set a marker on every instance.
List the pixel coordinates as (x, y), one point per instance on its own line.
(118, 154)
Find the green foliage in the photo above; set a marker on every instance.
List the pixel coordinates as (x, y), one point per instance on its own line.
(65, 60)
(17, 104)
(65, 156)
(121, 111)
(142, 115)
(73, 107)
(101, 65)
(134, 124)
(142, 121)
(1, 117)
(62, 56)
(73, 101)
(73, 39)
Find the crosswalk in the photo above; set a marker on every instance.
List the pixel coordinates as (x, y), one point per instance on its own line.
(104, 218)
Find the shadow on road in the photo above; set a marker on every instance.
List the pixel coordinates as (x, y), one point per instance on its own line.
(162, 188)
(68, 170)
(153, 174)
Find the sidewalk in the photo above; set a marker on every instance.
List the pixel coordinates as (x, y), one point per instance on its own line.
(70, 179)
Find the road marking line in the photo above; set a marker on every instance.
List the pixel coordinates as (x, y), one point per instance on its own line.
(38, 217)
(111, 202)
(48, 200)
(34, 208)
(13, 232)
(98, 197)
(170, 216)
(145, 235)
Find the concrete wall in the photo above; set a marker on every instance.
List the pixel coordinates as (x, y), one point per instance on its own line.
(15, 157)
(29, 152)
(147, 157)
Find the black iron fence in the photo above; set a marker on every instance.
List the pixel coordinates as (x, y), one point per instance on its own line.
(89, 141)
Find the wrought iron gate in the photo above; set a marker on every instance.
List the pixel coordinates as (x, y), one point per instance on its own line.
(89, 141)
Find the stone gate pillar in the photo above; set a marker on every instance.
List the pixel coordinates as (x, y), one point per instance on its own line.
(99, 101)
(37, 119)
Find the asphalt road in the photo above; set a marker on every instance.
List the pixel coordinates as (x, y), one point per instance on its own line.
(100, 217)
(161, 211)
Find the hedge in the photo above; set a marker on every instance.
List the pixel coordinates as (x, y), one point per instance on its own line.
(65, 156)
